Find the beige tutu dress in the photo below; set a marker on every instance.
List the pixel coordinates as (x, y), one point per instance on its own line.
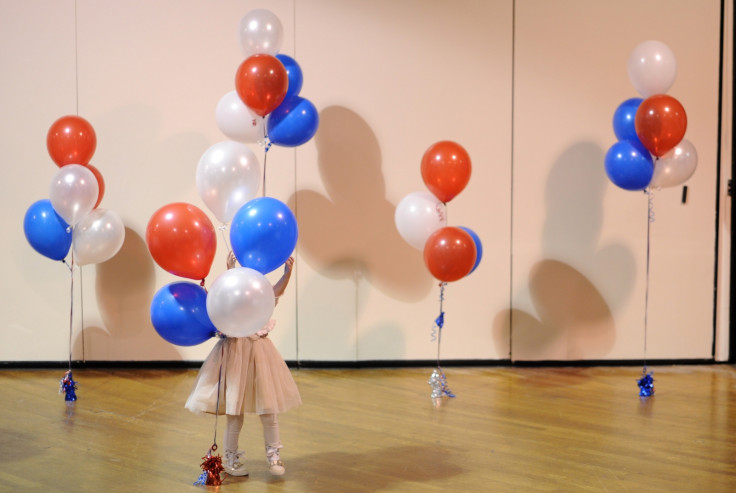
(255, 378)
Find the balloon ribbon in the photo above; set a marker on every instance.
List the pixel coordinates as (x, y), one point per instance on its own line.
(437, 380)
(212, 465)
(67, 385)
(646, 385)
(266, 147)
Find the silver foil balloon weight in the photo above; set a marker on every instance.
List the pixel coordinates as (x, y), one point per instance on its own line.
(440, 391)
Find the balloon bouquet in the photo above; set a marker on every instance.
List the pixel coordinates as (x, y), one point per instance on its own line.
(450, 253)
(71, 218)
(264, 108)
(651, 152)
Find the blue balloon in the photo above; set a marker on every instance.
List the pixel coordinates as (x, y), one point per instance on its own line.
(46, 231)
(293, 122)
(179, 314)
(624, 118)
(263, 234)
(628, 166)
(294, 72)
(478, 247)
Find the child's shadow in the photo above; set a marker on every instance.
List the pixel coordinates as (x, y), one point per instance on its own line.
(352, 229)
(370, 471)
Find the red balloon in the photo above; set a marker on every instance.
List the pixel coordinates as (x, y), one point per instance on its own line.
(71, 140)
(449, 254)
(100, 184)
(446, 169)
(261, 82)
(182, 240)
(660, 123)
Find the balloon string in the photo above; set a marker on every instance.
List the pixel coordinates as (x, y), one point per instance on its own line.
(267, 146)
(265, 156)
(222, 229)
(81, 309)
(76, 60)
(438, 381)
(219, 385)
(71, 305)
(440, 321)
(650, 220)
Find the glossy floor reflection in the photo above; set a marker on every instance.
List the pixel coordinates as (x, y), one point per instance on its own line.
(508, 429)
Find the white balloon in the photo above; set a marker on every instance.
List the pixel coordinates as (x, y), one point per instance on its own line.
(240, 302)
(237, 121)
(417, 216)
(676, 166)
(98, 237)
(652, 68)
(260, 32)
(73, 192)
(228, 176)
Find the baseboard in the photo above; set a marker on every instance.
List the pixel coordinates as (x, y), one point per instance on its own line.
(178, 364)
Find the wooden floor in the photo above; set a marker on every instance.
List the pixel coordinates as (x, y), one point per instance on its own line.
(508, 429)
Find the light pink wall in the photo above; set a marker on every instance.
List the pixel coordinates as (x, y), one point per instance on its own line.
(527, 87)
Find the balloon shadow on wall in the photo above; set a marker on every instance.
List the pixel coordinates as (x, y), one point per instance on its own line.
(124, 288)
(572, 318)
(131, 156)
(351, 232)
(386, 338)
(574, 222)
(132, 169)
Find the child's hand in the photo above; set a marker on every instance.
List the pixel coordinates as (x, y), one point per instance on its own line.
(231, 260)
(288, 265)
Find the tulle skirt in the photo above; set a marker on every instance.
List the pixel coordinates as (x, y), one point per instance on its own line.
(255, 379)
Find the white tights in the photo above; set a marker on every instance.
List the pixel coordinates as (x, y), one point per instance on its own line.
(270, 424)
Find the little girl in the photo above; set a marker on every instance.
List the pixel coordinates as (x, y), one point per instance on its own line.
(255, 379)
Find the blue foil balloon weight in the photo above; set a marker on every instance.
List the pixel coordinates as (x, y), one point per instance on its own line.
(263, 234)
(179, 314)
(293, 122)
(628, 166)
(46, 231)
(646, 384)
(201, 479)
(68, 387)
(294, 73)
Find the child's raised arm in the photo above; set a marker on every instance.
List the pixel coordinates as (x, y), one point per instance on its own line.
(280, 286)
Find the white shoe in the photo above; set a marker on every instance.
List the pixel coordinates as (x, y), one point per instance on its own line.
(275, 465)
(232, 465)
